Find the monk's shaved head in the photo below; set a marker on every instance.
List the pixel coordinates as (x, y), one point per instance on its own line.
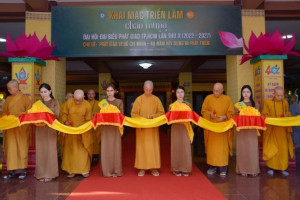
(69, 95)
(278, 88)
(148, 88)
(278, 93)
(13, 87)
(218, 89)
(13, 83)
(78, 96)
(148, 83)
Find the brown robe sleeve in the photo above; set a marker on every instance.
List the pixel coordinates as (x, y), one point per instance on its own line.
(56, 109)
(121, 107)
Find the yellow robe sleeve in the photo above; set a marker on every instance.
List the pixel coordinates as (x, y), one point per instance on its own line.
(205, 109)
(65, 111)
(87, 138)
(135, 111)
(160, 109)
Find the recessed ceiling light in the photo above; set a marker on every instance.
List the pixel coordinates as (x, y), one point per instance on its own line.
(2, 40)
(145, 65)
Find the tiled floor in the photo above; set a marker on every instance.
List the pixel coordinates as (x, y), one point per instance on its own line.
(233, 187)
(236, 187)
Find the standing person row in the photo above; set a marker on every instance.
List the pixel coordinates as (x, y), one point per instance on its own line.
(277, 140)
(147, 156)
(77, 149)
(111, 146)
(218, 107)
(181, 154)
(46, 140)
(247, 154)
(16, 140)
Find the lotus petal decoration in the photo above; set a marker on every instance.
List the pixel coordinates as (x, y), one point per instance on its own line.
(230, 40)
(268, 45)
(29, 46)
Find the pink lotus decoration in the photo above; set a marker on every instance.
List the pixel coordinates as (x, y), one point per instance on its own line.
(29, 46)
(269, 45)
(230, 40)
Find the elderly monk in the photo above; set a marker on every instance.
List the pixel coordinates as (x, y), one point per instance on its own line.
(147, 156)
(96, 133)
(77, 149)
(16, 140)
(218, 107)
(277, 140)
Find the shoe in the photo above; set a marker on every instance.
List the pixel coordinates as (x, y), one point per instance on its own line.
(47, 179)
(9, 175)
(85, 175)
(141, 172)
(154, 172)
(212, 171)
(285, 173)
(223, 174)
(244, 175)
(270, 172)
(177, 173)
(22, 176)
(185, 174)
(71, 175)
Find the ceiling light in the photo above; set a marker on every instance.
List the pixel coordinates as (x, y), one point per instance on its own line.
(2, 40)
(145, 65)
(288, 36)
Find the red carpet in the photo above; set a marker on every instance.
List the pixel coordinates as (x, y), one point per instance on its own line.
(130, 186)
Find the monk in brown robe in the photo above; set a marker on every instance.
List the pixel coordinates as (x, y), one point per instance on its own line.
(218, 107)
(96, 133)
(277, 140)
(77, 149)
(16, 140)
(147, 156)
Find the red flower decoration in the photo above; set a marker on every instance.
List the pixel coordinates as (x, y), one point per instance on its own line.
(29, 46)
(282, 115)
(268, 45)
(8, 113)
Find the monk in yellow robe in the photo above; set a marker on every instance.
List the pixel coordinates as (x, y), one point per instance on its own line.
(77, 149)
(277, 140)
(147, 156)
(16, 140)
(218, 107)
(96, 133)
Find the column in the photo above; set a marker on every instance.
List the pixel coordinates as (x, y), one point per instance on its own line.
(55, 71)
(239, 75)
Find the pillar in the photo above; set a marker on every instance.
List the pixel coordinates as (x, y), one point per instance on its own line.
(55, 71)
(185, 80)
(239, 75)
(104, 80)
